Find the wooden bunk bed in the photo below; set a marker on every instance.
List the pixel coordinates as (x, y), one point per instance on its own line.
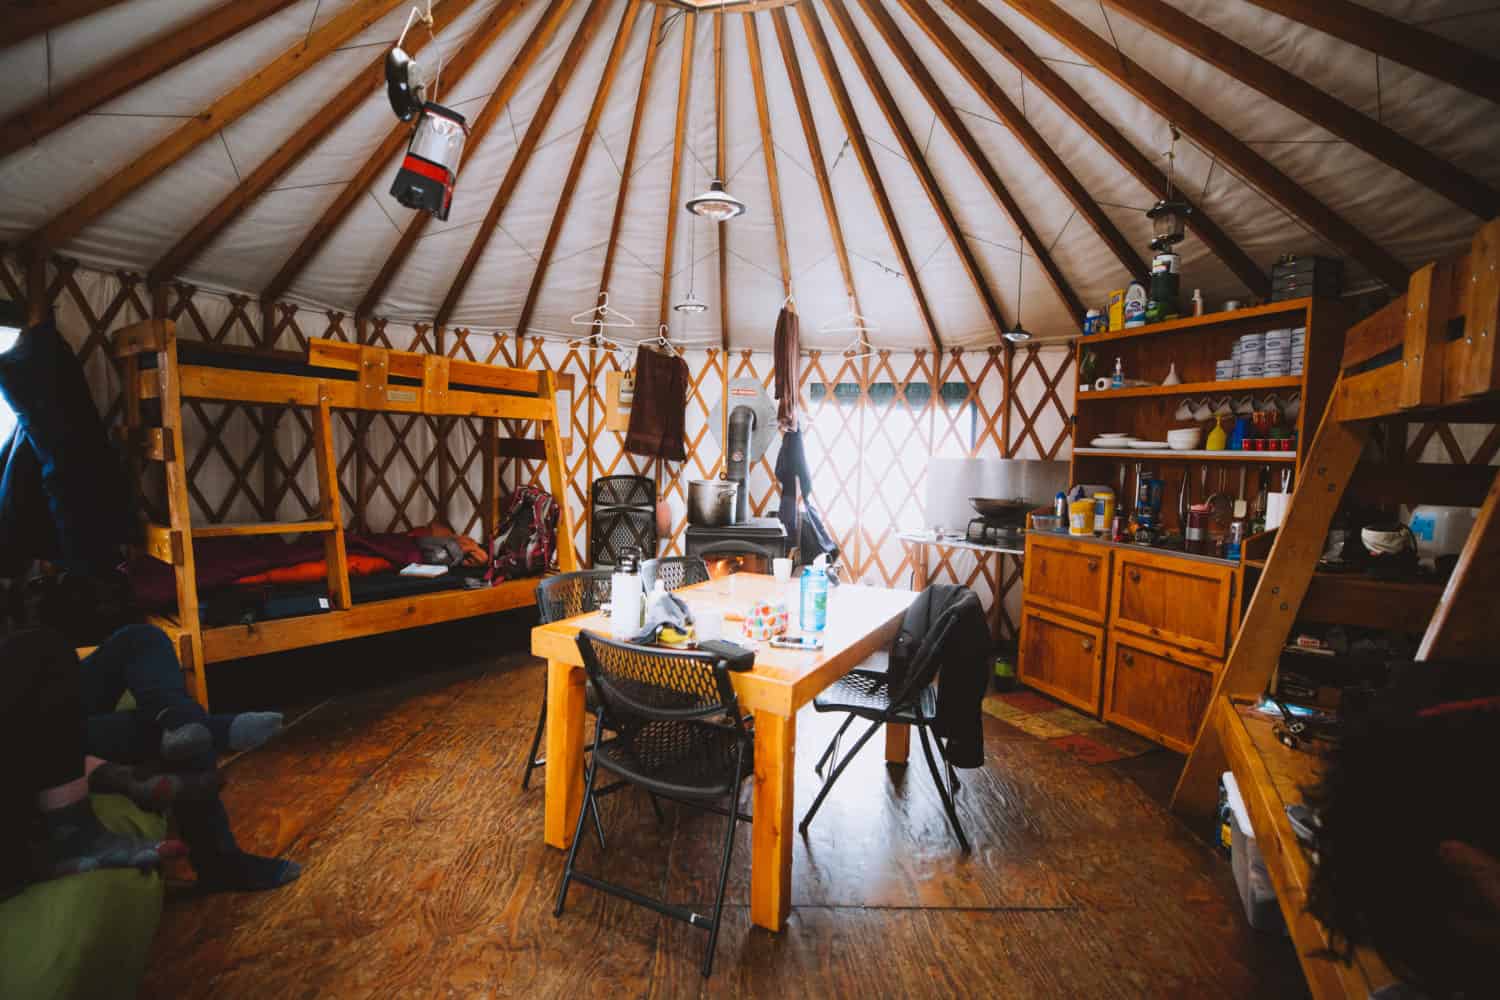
(1429, 355)
(332, 376)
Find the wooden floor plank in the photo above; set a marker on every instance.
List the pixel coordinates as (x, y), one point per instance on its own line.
(425, 875)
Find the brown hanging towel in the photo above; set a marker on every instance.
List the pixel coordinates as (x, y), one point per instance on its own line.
(788, 358)
(659, 411)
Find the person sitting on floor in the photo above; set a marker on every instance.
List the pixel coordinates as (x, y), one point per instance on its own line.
(43, 783)
(173, 745)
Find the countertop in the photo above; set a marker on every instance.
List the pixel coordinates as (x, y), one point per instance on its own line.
(932, 538)
(1132, 546)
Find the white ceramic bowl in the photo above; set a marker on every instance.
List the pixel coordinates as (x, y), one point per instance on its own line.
(1184, 438)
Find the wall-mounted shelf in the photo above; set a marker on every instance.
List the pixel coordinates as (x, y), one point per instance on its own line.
(1193, 388)
(1196, 455)
(1254, 314)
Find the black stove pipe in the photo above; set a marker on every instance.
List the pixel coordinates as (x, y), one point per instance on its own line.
(737, 462)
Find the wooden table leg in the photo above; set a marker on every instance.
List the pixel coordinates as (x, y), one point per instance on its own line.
(897, 743)
(774, 822)
(564, 751)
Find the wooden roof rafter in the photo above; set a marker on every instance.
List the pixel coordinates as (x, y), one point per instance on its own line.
(1398, 41)
(529, 142)
(1233, 153)
(580, 154)
(947, 41)
(221, 112)
(679, 133)
(1322, 109)
(474, 47)
(768, 147)
(815, 155)
(1110, 139)
(25, 20)
(627, 165)
(861, 147)
(140, 65)
(909, 60)
(719, 168)
(289, 153)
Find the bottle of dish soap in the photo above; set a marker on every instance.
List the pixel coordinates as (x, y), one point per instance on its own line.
(1117, 380)
(815, 595)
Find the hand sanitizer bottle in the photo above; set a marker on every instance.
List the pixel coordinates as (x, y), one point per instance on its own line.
(1117, 380)
(815, 595)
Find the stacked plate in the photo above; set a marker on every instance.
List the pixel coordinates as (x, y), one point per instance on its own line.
(1117, 441)
(1298, 346)
(1278, 353)
(1250, 356)
(1224, 370)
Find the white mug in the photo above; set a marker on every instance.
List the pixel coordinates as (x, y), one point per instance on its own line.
(782, 570)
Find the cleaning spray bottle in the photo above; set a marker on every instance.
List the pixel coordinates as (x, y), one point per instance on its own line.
(815, 595)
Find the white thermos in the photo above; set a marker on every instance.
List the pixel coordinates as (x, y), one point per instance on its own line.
(627, 597)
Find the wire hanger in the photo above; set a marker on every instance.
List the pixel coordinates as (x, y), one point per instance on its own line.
(603, 315)
(853, 322)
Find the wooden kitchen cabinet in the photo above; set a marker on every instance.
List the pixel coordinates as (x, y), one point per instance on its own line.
(1182, 601)
(1157, 690)
(1062, 657)
(1069, 577)
(1164, 619)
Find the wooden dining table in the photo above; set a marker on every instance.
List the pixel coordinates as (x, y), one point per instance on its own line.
(861, 621)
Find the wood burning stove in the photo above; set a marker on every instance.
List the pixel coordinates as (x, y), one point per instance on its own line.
(747, 547)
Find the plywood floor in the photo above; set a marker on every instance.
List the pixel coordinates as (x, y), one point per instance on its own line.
(425, 875)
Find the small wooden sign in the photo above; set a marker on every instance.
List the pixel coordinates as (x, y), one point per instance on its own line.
(619, 395)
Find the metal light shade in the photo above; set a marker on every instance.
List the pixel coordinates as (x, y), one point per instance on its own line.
(691, 304)
(1167, 221)
(1017, 336)
(716, 204)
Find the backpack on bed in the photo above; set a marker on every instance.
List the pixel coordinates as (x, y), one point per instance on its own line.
(527, 540)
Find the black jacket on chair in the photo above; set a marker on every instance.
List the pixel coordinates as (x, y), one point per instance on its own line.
(964, 666)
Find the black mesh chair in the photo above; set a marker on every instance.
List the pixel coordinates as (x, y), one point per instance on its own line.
(679, 735)
(558, 597)
(902, 693)
(675, 572)
(623, 516)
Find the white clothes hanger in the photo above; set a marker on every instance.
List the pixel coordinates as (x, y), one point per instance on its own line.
(603, 315)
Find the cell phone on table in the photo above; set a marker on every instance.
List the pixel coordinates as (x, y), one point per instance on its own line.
(802, 643)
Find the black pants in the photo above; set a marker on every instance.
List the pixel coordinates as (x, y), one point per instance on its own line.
(41, 741)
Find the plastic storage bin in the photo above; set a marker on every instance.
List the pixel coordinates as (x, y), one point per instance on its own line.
(1250, 875)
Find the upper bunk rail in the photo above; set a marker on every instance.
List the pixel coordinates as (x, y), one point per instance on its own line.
(1434, 349)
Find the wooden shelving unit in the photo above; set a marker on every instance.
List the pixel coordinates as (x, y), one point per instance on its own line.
(1193, 344)
(1434, 376)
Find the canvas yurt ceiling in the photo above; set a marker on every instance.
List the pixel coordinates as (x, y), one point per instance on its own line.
(908, 150)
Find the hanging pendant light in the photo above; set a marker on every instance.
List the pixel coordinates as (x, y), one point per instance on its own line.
(716, 204)
(692, 305)
(1169, 215)
(1018, 334)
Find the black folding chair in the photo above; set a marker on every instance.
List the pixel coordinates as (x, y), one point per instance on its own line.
(558, 597)
(904, 694)
(674, 572)
(679, 735)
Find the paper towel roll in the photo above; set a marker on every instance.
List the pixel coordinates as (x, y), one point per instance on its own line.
(1276, 505)
(1101, 384)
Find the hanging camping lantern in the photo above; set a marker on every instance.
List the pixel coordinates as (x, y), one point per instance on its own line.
(1169, 215)
(430, 168)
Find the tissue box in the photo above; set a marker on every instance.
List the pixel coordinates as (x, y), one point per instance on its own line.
(766, 620)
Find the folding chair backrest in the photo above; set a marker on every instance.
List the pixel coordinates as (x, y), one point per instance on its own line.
(568, 594)
(932, 650)
(674, 572)
(647, 683)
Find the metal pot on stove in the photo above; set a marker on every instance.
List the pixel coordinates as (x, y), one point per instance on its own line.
(711, 502)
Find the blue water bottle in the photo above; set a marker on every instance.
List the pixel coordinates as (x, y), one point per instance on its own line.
(815, 595)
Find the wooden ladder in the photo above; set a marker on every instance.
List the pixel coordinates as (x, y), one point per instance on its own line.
(1438, 376)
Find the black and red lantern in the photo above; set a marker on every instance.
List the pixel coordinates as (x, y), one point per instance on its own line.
(430, 168)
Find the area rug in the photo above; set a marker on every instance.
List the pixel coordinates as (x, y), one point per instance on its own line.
(1081, 736)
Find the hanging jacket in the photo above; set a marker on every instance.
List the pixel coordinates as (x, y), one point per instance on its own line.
(658, 416)
(788, 359)
(63, 492)
(964, 666)
(792, 473)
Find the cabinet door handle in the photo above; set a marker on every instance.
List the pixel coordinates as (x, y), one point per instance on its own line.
(1128, 658)
(1093, 565)
(1135, 576)
(1088, 645)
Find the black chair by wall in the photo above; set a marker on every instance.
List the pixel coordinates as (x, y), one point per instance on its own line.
(675, 572)
(679, 735)
(901, 693)
(623, 516)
